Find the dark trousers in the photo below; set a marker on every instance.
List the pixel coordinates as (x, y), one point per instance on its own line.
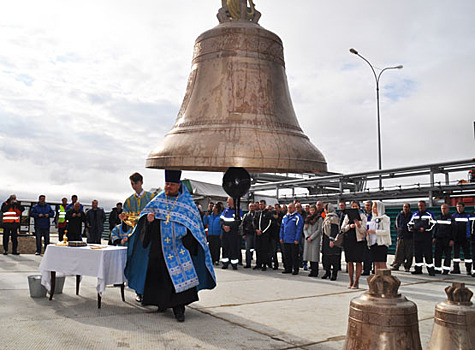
(301, 245)
(93, 236)
(330, 262)
(10, 229)
(230, 243)
(423, 249)
(263, 250)
(239, 246)
(61, 233)
(41, 232)
(404, 253)
(74, 236)
(273, 253)
(250, 247)
(291, 257)
(367, 261)
(214, 247)
(465, 247)
(473, 253)
(442, 248)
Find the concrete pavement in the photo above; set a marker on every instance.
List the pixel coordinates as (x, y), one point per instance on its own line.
(248, 310)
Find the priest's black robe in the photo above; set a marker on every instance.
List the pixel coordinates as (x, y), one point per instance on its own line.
(159, 289)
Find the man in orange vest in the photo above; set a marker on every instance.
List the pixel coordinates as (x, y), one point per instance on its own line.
(11, 210)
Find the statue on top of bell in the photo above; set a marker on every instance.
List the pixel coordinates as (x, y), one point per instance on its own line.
(237, 10)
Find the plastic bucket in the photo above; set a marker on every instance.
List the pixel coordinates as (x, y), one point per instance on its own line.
(59, 284)
(37, 290)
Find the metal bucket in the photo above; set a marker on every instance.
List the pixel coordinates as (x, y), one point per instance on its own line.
(37, 290)
(59, 284)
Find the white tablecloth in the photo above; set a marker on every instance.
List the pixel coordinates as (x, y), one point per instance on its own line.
(107, 264)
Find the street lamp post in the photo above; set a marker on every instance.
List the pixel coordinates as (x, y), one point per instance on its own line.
(377, 77)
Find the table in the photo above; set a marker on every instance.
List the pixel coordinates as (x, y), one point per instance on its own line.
(107, 264)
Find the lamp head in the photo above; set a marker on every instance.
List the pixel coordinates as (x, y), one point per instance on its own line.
(399, 67)
(355, 52)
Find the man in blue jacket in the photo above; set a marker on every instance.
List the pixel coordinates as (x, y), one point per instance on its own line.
(462, 239)
(421, 224)
(231, 238)
(292, 226)
(42, 213)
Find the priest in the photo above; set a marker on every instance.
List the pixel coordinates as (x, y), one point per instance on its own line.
(168, 259)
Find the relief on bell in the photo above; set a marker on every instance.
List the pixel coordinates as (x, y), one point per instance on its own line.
(237, 110)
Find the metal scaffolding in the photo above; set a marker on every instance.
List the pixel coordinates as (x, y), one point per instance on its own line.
(335, 187)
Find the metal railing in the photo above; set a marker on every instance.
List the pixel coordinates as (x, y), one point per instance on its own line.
(355, 185)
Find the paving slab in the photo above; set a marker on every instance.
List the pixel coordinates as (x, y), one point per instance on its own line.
(248, 310)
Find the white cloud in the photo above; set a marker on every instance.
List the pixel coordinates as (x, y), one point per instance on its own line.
(88, 89)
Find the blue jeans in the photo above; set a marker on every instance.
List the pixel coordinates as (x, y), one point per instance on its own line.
(250, 247)
(41, 232)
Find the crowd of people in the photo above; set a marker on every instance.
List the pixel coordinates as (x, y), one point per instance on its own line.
(168, 258)
(173, 245)
(307, 235)
(421, 233)
(70, 220)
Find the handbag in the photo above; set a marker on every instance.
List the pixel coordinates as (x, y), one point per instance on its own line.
(339, 239)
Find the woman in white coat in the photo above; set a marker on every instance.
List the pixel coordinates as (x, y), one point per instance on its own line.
(379, 236)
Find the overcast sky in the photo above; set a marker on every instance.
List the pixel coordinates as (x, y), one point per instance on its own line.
(88, 88)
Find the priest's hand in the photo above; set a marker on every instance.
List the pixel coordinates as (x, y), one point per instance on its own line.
(150, 217)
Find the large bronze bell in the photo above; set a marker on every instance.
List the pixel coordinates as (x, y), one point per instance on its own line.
(382, 319)
(454, 321)
(237, 110)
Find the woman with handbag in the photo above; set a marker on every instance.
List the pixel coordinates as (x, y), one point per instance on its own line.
(354, 244)
(313, 234)
(379, 236)
(330, 250)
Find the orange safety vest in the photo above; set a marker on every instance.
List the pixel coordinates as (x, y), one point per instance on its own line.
(11, 216)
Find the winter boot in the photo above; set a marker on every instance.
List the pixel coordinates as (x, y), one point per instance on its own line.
(313, 269)
(468, 267)
(334, 275)
(326, 275)
(456, 270)
(431, 271)
(417, 270)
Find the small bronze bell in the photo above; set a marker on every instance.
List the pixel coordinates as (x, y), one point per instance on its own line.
(381, 318)
(454, 321)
